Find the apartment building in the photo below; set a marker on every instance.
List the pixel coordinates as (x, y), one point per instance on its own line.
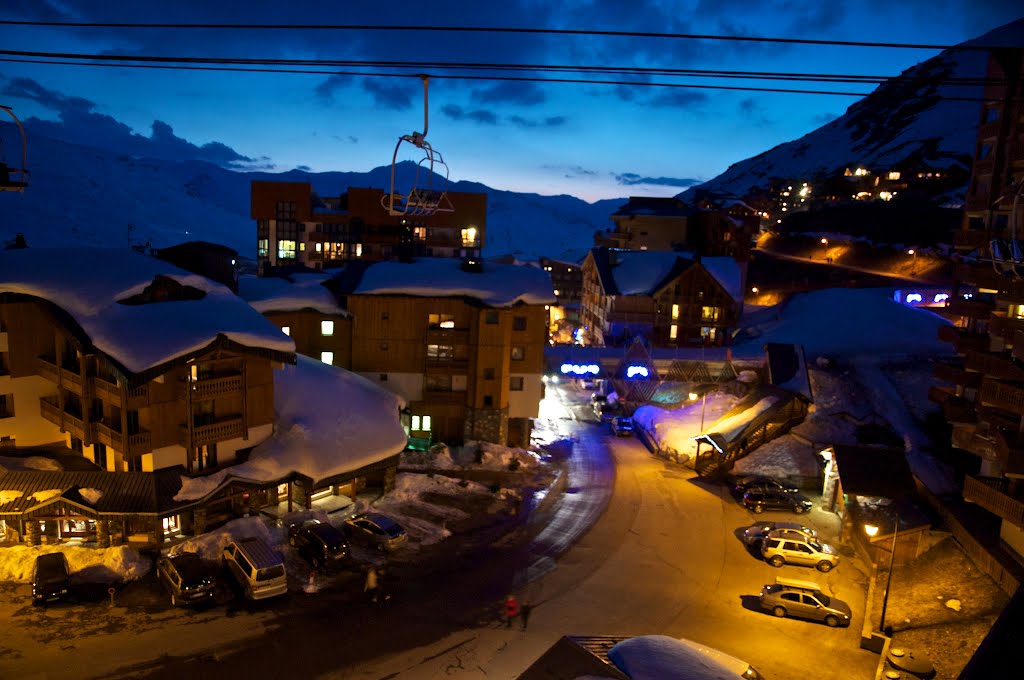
(295, 226)
(648, 223)
(144, 368)
(983, 394)
(462, 342)
(671, 299)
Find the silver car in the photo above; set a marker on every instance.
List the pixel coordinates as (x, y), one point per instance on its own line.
(804, 599)
(782, 549)
(755, 535)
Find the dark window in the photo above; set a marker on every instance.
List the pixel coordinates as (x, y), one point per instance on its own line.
(488, 374)
(438, 383)
(518, 353)
(488, 401)
(791, 597)
(383, 377)
(515, 383)
(100, 453)
(285, 210)
(76, 445)
(519, 323)
(491, 316)
(6, 405)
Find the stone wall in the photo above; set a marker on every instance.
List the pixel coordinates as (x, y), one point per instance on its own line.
(487, 425)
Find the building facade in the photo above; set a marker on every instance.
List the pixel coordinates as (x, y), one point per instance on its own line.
(297, 227)
(670, 299)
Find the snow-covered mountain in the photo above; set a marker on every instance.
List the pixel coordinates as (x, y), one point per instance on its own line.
(91, 196)
(905, 118)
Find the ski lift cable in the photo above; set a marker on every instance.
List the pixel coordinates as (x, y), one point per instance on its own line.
(577, 68)
(505, 29)
(21, 175)
(468, 77)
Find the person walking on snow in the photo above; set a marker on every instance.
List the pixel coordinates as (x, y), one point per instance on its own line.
(370, 585)
(511, 610)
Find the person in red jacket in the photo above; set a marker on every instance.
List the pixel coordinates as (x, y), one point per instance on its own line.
(511, 610)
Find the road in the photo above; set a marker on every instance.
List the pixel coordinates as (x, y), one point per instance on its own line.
(663, 555)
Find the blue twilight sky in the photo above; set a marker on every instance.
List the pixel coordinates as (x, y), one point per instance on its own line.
(591, 141)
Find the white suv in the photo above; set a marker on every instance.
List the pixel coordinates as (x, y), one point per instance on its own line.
(782, 547)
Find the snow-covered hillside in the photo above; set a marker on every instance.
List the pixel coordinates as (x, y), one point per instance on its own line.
(901, 119)
(81, 195)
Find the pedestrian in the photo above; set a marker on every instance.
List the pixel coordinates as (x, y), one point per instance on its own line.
(370, 586)
(382, 586)
(524, 613)
(511, 610)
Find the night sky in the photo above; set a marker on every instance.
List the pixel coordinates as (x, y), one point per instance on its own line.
(591, 141)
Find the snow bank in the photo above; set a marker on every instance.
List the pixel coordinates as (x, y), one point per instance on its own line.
(675, 428)
(210, 545)
(45, 495)
(88, 565)
(281, 294)
(29, 463)
(91, 496)
(659, 657)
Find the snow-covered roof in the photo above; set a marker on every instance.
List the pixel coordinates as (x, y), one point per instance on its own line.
(88, 284)
(354, 424)
(659, 657)
(497, 285)
(725, 270)
(288, 294)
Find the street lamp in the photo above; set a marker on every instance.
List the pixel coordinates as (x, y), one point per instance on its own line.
(872, 530)
(824, 242)
(913, 260)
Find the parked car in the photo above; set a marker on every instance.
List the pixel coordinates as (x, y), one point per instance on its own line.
(758, 499)
(804, 599)
(598, 398)
(745, 483)
(320, 544)
(187, 578)
(756, 534)
(605, 412)
(778, 550)
(622, 426)
(375, 531)
(588, 384)
(257, 567)
(51, 578)
(739, 667)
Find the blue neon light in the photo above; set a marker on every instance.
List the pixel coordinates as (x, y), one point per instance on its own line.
(941, 297)
(914, 297)
(634, 371)
(581, 369)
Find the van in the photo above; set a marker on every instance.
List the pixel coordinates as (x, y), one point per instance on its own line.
(257, 567)
(51, 578)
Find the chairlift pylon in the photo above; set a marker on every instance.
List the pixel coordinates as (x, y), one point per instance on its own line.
(423, 199)
(14, 179)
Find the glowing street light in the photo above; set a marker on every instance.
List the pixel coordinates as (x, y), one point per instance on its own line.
(754, 290)
(872, 530)
(693, 396)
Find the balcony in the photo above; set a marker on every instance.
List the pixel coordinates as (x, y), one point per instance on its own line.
(446, 365)
(1005, 395)
(958, 376)
(210, 388)
(211, 433)
(992, 494)
(46, 367)
(448, 336)
(973, 308)
(962, 339)
(968, 438)
(994, 365)
(1003, 326)
(107, 391)
(138, 397)
(969, 240)
(67, 422)
(432, 396)
(133, 444)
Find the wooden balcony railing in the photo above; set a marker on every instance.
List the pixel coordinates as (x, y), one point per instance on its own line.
(222, 430)
(957, 375)
(133, 444)
(449, 336)
(1003, 326)
(214, 387)
(446, 365)
(1005, 395)
(973, 308)
(991, 494)
(138, 397)
(967, 437)
(68, 422)
(71, 380)
(995, 365)
(107, 391)
(962, 339)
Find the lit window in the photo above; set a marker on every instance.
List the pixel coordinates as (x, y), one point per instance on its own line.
(359, 250)
(327, 357)
(326, 328)
(415, 423)
(469, 237)
(287, 330)
(286, 249)
(319, 247)
(675, 311)
(261, 247)
(302, 246)
(673, 331)
(426, 423)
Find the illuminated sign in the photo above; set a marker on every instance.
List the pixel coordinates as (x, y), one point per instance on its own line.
(941, 297)
(634, 371)
(581, 369)
(914, 297)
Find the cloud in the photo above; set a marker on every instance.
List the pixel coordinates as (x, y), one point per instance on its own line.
(751, 110)
(347, 139)
(325, 90)
(571, 171)
(80, 124)
(397, 96)
(632, 179)
(511, 92)
(456, 112)
(679, 98)
(529, 123)
(824, 118)
(304, 168)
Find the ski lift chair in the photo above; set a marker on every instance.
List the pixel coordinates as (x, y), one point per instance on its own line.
(13, 179)
(424, 198)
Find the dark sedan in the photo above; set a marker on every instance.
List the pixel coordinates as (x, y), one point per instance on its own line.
(761, 499)
(187, 578)
(748, 482)
(375, 531)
